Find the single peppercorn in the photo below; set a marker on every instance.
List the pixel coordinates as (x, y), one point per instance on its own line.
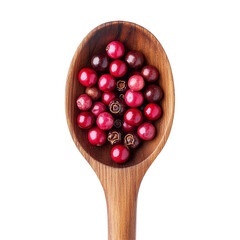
(117, 107)
(115, 136)
(100, 62)
(146, 131)
(115, 49)
(87, 77)
(84, 102)
(153, 93)
(136, 83)
(134, 59)
(93, 92)
(122, 86)
(118, 68)
(120, 153)
(133, 99)
(133, 117)
(117, 123)
(96, 136)
(122, 96)
(105, 121)
(132, 140)
(150, 73)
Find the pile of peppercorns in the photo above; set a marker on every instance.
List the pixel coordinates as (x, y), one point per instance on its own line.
(129, 100)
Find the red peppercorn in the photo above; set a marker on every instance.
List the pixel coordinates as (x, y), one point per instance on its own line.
(108, 97)
(153, 93)
(118, 68)
(93, 92)
(133, 99)
(136, 83)
(133, 116)
(85, 120)
(97, 108)
(152, 111)
(96, 136)
(115, 49)
(120, 153)
(127, 127)
(105, 121)
(107, 83)
(146, 131)
(150, 73)
(87, 77)
(84, 102)
(100, 62)
(134, 59)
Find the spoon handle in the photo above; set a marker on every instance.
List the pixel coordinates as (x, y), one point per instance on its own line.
(121, 190)
(121, 205)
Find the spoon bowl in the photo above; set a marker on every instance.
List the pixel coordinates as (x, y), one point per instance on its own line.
(120, 181)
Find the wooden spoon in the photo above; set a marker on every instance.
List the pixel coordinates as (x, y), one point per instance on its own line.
(120, 181)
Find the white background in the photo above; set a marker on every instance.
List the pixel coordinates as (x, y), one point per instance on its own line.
(48, 191)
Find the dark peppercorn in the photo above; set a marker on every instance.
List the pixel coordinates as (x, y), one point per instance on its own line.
(121, 96)
(132, 140)
(115, 136)
(122, 86)
(117, 123)
(117, 107)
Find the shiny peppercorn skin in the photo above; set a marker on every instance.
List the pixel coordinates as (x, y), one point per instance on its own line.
(96, 136)
(94, 93)
(133, 99)
(133, 117)
(107, 83)
(136, 83)
(85, 120)
(84, 102)
(152, 111)
(153, 93)
(115, 49)
(150, 73)
(134, 59)
(120, 153)
(105, 121)
(118, 68)
(146, 131)
(100, 62)
(87, 77)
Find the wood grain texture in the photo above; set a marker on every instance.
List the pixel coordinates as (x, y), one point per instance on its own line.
(120, 182)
